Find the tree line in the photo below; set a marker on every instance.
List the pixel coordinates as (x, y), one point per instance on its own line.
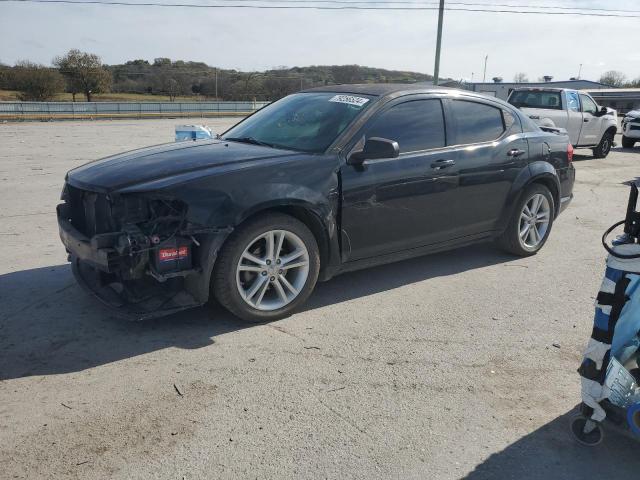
(84, 74)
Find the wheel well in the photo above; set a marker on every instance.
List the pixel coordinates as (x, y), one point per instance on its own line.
(553, 188)
(310, 219)
(612, 130)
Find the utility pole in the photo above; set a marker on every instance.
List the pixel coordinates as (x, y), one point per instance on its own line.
(484, 75)
(580, 72)
(216, 84)
(436, 69)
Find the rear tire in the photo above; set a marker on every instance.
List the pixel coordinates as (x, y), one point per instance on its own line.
(628, 142)
(528, 230)
(267, 268)
(604, 147)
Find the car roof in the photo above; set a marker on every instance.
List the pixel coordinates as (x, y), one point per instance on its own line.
(543, 89)
(398, 89)
(381, 89)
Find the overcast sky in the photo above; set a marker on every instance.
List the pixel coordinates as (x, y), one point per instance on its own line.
(259, 39)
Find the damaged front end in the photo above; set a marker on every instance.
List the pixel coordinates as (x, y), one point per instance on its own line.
(138, 253)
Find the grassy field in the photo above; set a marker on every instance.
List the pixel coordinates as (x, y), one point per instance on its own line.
(10, 95)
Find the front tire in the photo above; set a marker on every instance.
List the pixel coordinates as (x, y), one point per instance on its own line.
(530, 224)
(604, 147)
(628, 142)
(267, 268)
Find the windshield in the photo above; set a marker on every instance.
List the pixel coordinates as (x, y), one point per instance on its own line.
(536, 99)
(308, 122)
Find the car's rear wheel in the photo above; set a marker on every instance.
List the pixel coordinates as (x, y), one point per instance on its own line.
(267, 268)
(628, 142)
(531, 222)
(604, 147)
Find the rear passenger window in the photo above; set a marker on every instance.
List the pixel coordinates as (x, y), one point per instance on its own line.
(476, 122)
(416, 125)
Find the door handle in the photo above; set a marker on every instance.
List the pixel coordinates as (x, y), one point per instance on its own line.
(440, 164)
(515, 153)
(586, 120)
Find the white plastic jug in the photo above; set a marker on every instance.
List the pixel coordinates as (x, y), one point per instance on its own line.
(192, 132)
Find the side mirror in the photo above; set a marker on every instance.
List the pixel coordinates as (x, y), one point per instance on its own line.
(602, 112)
(375, 147)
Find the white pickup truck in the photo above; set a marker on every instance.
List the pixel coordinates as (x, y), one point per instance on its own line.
(587, 124)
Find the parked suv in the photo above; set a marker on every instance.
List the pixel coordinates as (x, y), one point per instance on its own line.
(587, 124)
(631, 129)
(318, 183)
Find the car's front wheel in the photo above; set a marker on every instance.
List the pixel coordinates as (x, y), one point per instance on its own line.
(267, 268)
(531, 222)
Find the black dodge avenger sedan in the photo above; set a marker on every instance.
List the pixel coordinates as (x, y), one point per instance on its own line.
(321, 182)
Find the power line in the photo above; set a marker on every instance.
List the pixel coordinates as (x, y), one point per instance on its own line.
(418, 4)
(510, 5)
(263, 6)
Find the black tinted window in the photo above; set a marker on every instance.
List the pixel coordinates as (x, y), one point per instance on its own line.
(536, 99)
(476, 122)
(416, 125)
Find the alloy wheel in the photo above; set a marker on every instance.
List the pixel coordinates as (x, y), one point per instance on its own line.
(272, 270)
(534, 221)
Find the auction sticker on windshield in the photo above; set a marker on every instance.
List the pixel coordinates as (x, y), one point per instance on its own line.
(349, 100)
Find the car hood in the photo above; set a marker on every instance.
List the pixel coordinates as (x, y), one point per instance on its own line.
(154, 165)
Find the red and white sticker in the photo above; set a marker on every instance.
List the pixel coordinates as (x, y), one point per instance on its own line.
(168, 254)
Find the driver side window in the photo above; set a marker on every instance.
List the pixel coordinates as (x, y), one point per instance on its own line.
(588, 105)
(416, 125)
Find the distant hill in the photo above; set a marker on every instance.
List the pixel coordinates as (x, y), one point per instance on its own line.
(164, 76)
(174, 79)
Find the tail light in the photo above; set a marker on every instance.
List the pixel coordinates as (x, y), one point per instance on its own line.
(570, 153)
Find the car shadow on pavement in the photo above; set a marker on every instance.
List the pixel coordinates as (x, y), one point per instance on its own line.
(550, 452)
(387, 277)
(582, 155)
(48, 325)
(636, 149)
(628, 150)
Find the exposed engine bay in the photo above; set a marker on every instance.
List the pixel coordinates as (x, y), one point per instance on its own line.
(135, 251)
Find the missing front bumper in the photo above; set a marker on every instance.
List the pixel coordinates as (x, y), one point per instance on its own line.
(136, 300)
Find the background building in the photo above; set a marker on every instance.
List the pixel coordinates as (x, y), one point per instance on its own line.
(622, 99)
